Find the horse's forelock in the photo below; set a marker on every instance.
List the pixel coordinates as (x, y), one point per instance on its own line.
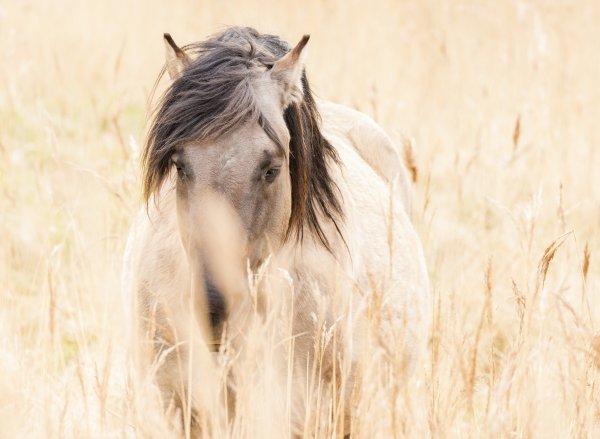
(214, 95)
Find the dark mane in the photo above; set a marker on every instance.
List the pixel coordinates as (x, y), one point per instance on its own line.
(214, 94)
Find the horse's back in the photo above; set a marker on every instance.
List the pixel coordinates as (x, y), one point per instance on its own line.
(372, 143)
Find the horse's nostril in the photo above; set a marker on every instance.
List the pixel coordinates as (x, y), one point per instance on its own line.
(216, 306)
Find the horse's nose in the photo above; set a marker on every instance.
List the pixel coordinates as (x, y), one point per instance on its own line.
(216, 306)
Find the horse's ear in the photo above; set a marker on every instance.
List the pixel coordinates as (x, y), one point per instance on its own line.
(177, 59)
(287, 73)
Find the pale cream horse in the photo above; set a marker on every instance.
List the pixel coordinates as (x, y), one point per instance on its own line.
(243, 166)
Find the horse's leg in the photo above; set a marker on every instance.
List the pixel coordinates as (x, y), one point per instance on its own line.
(182, 363)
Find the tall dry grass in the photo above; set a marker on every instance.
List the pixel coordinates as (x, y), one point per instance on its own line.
(502, 100)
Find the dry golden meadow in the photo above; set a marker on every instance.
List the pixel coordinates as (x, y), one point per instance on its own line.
(502, 100)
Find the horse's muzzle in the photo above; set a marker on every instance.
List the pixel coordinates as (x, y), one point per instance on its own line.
(216, 309)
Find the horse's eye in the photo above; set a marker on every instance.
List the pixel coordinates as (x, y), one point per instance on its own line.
(178, 165)
(271, 174)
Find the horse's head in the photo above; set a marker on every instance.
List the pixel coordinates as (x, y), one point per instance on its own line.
(237, 132)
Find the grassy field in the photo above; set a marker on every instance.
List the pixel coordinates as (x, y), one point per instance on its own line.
(502, 99)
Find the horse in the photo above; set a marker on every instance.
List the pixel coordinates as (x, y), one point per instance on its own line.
(243, 168)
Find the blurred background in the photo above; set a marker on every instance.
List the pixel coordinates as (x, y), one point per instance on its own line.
(502, 100)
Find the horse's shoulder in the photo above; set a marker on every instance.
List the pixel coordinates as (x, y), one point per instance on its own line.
(371, 142)
(153, 243)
